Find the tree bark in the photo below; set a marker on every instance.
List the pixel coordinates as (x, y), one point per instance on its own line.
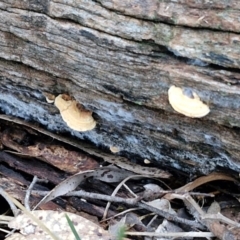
(118, 59)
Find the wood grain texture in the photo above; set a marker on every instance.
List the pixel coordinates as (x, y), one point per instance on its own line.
(119, 58)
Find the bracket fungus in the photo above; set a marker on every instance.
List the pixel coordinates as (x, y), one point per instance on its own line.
(190, 106)
(50, 98)
(114, 149)
(74, 114)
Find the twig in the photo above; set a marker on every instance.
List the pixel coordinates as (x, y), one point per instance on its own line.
(29, 190)
(152, 220)
(83, 194)
(221, 218)
(28, 193)
(119, 214)
(116, 190)
(126, 186)
(169, 216)
(174, 234)
(4, 230)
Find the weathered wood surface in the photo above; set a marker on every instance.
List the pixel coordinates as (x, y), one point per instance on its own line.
(119, 58)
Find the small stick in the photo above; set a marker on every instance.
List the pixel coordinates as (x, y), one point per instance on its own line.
(28, 193)
(221, 218)
(169, 216)
(83, 194)
(173, 234)
(117, 189)
(29, 190)
(119, 214)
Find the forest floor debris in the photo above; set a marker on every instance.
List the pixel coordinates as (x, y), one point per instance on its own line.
(130, 201)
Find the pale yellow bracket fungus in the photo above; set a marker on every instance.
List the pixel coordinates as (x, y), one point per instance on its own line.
(50, 98)
(146, 161)
(114, 149)
(74, 114)
(189, 106)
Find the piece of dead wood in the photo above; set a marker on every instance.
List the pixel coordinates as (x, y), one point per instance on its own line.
(56, 155)
(33, 167)
(12, 174)
(90, 149)
(18, 192)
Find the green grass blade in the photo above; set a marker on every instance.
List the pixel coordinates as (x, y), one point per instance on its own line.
(70, 223)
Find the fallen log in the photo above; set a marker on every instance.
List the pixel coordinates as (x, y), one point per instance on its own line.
(119, 59)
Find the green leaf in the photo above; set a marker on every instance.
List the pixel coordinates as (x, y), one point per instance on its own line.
(121, 233)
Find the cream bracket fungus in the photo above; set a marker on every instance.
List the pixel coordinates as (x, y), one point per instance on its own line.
(74, 114)
(50, 98)
(189, 106)
(114, 149)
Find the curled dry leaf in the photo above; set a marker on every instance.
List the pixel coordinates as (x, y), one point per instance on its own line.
(74, 114)
(190, 106)
(215, 176)
(162, 204)
(57, 223)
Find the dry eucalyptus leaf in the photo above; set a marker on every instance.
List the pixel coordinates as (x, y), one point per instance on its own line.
(168, 227)
(66, 186)
(111, 174)
(107, 174)
(162, 204)
(57, 223)
(152, 191)
(214, 208)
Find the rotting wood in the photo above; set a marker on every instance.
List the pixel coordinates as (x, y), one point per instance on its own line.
(54, 154)
(116, 160)
(119, 62)
(37, 168)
